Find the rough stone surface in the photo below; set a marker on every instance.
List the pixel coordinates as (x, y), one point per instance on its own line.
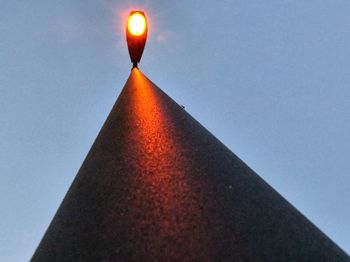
(157, 186)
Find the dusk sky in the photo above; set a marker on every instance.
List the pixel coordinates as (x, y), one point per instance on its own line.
(270, 79)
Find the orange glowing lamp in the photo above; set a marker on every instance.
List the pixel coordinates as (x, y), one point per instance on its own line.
(136, 35)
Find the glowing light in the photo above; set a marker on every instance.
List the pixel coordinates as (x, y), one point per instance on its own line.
(136, 35)
(137, 24)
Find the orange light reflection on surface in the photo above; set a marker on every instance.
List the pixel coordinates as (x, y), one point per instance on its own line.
(137, 24)
(164, 185)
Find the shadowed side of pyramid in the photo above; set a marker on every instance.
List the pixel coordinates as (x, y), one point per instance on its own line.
(157, 186)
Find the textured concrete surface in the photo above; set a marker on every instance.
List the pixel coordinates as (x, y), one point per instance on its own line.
(157, 186)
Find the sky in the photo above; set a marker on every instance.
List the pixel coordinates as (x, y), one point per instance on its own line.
(270, 79)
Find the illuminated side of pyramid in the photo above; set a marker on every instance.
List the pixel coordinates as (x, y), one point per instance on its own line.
(157, 186)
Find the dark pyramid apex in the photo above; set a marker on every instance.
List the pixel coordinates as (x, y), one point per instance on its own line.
(157, 186)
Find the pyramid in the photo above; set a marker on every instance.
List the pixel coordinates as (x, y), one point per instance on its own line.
(157, 186)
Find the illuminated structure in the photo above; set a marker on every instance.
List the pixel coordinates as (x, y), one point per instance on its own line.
(157, 186)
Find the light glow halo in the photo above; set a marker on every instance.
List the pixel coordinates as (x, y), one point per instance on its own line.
(137, 24)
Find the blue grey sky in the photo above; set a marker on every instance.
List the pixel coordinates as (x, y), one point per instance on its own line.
(270, 79)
